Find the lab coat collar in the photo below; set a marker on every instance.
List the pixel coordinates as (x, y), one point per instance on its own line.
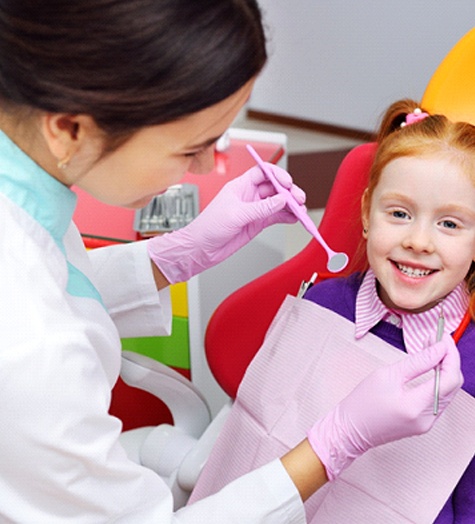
(43, 197)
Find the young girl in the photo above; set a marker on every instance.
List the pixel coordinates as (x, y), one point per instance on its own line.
(121, 98)
(418, 215)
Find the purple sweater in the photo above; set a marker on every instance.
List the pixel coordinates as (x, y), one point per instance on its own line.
(339, 295)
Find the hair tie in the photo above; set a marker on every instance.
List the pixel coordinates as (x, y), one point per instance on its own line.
(416, 116)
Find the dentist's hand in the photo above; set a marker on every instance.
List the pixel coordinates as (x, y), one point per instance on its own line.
(387, 406)
(241, 210)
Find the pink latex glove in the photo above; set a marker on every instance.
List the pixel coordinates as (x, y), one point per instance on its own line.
(387, 406)
(241, 210)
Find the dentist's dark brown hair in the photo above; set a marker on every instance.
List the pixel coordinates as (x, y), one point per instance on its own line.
(127, 63)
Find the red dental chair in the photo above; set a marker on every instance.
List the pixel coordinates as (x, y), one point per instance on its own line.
(238, 326)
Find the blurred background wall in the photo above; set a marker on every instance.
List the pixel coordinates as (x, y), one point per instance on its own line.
(341, 62)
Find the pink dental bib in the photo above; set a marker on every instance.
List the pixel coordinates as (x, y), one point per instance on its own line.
(308, 362)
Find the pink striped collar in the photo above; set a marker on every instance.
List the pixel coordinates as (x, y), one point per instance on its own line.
(417, 328)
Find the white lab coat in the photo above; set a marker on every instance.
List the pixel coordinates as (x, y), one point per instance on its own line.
(61, 460)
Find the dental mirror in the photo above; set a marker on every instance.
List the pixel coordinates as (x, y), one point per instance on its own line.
(336, 261)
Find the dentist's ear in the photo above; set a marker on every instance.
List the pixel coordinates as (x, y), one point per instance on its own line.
(66, 134)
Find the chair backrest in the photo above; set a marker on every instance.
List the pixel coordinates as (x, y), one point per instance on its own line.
(237, 328)
(450, 90)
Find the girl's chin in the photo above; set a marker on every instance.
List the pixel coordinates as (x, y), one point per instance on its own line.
(412, 307)
(406, 304)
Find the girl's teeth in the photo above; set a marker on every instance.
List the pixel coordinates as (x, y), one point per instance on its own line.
(414, 272)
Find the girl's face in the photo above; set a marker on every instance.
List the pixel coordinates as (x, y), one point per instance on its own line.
(421, 230)
(158, 156)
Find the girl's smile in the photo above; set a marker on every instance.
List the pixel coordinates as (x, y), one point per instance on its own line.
(414, 272)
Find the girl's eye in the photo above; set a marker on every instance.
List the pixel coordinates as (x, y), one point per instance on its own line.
(449, 224)
(399, 214)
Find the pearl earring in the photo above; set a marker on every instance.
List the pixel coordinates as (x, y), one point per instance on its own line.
(63, 164)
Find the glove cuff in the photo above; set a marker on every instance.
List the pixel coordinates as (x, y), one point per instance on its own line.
(175, 255)
(331, 444)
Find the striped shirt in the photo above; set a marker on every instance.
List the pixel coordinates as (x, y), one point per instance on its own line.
(418, 329)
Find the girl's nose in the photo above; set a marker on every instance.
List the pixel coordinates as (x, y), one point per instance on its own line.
(203, 163)
(419, 239)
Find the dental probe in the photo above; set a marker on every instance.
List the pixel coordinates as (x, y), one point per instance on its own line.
(440, 332)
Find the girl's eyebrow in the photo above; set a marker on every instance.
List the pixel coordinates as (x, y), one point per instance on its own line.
(395, 196)
(456, 208)
(446, 208)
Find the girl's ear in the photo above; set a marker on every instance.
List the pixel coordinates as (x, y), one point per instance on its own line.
(65, 134)
(365, 206)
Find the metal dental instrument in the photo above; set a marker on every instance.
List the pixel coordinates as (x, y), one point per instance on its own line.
(336, 261)
(305, 286)
(440, 332)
